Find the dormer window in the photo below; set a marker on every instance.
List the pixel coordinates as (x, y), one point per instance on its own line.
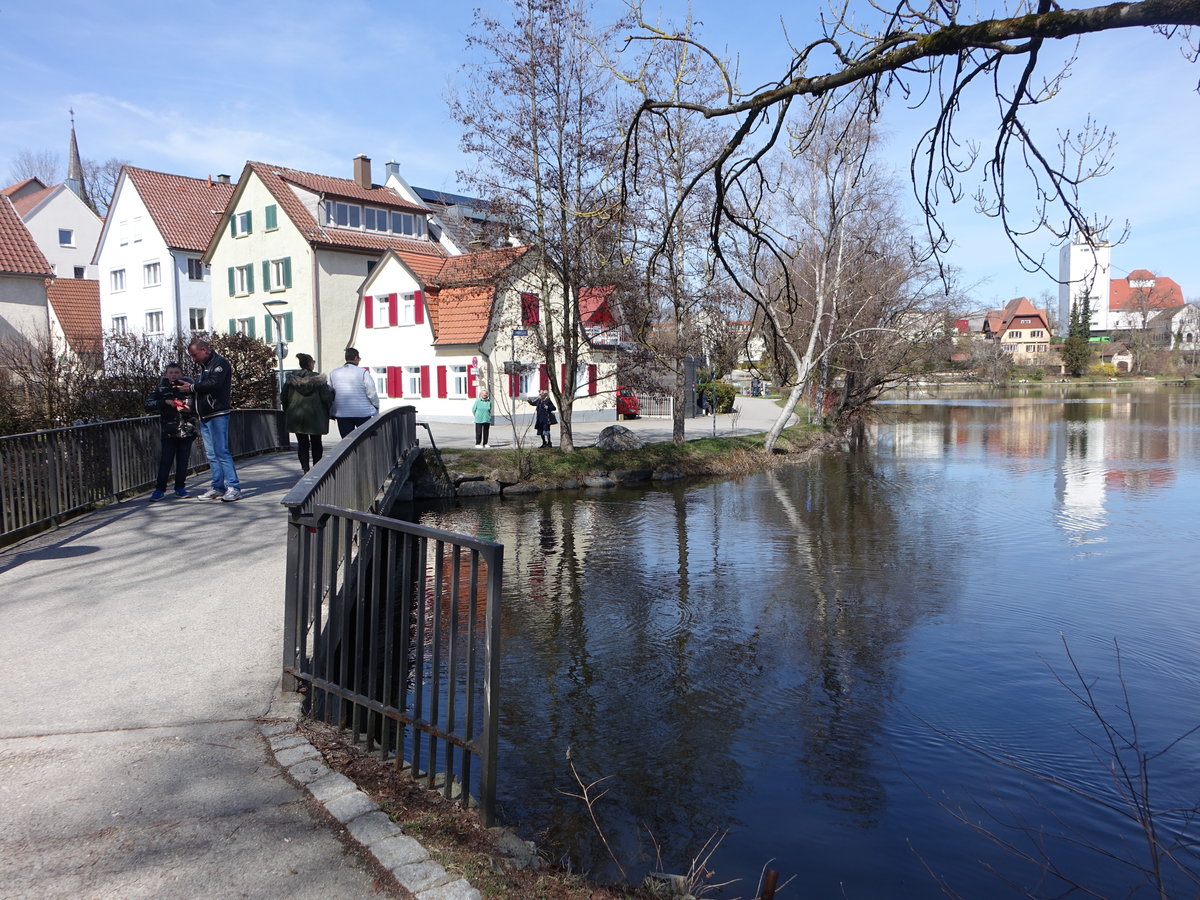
(371, 218)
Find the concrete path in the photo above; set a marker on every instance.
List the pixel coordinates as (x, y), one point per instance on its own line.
(139, 652)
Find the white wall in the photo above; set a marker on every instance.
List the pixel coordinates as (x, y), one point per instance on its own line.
(62, 209)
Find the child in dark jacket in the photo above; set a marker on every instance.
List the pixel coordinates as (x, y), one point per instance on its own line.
(177, 418)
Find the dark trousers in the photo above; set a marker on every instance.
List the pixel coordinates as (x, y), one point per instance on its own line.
(175, 452)
(481, 432)
(347, 424)
(309, 443)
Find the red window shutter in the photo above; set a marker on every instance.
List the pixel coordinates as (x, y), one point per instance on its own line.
(441, 381)
(419, 307)
(514, 384)
(562, 381)
(531, 313)
(425, 383)
(591, 378)
(543, 377)
(393, 309)
(470, 381)
(369, 303)
(395, 381)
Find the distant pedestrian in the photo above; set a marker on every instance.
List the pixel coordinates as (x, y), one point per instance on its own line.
(177, 417)
(212, 391)
(355, 399)
(544, 416)
(307, 399)
(703, 402)
(482, 412)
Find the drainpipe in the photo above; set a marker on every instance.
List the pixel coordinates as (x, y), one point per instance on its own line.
(318, 349)
(178, 298)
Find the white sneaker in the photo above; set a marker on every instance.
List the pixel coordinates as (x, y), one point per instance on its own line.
(479, 446)
(231, 495)
(210, 494)
(486, 447)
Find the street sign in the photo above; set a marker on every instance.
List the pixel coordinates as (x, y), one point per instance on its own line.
(520, 332)
(281, 350)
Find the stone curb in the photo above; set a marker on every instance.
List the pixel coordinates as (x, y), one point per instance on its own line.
(369, 827)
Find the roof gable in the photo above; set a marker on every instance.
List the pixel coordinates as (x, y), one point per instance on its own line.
(19, 252)
(1144, 290)
(461, 315)
(186, 211)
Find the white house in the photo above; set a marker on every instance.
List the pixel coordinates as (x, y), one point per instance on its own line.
(152, 279)
(1177, 328)
(1084, 270)
(436, 342)
(24, 311)
(64, 227)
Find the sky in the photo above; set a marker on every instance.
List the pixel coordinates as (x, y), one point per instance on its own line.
(199, 88)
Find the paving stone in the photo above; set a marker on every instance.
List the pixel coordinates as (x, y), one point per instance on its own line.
(309, 770)
(331, 787)
(293, 755)
(455, 890)
(372, 828)
(271, 729)
(421, 876)
(350, 806)
(287, 741)
(399, 851)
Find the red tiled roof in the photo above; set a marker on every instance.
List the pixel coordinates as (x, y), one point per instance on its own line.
(479, 268)
(1144, 290)
(19, 253)
(14, 189)
(27, 194)
(460, 315)
(423, 257)
(76, 303)
(182, 208)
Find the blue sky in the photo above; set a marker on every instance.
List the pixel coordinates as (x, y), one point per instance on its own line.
(199, 88)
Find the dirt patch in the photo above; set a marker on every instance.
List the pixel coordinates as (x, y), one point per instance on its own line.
(455, 837)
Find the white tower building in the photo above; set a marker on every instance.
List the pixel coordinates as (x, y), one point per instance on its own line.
(1084, 270)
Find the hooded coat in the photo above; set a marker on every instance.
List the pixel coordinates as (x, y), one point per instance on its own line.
(306, 400)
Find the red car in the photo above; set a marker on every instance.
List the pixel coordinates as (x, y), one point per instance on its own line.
(627, 403)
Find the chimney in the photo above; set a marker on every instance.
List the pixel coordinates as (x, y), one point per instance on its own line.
(393, 168)
(362, 171)
(222, 179)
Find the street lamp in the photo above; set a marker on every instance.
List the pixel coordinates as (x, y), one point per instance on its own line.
(273, 308)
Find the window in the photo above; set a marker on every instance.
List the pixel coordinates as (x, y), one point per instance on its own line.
(154, 322)
(137, 229)
(1037, 333)
(241, 281)
(380, 374)
(151, 274)
(531, 312)
(120, 324)
(458, 381)
(412, 381)
(123, 232)
(116, 280)
(1014, 335)
(66, 237)
(198, 318)
(1026, 321)
(272, 217)
(80, 272)
(195, 269)
(407, 309)
(243, 326)
(369, 218)
(527, 387)
(375, 219)
(382, 311)
(241, 224)
(277, 274)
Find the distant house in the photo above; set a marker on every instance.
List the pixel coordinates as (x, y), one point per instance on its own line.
(1177, 328)
(64, 227)
(1116, 354)
(1116, 304)
(24, 311)
(1136, 300)
(75, 314)
(1022, 330)
(152, 279)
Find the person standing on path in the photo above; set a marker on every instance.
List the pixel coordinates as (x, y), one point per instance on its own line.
(544, 416)
(481, 410)
(211, 391)
(306, 400)
(177, 416)
(355, 399)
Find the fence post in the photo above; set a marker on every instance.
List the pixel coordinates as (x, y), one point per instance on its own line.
(291, 600)
(491, 692)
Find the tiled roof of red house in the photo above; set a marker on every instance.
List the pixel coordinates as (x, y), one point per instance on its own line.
(461, 309)
(76, 303)
(423, 257)
(1144, 290)
(19, 252)
(27, 194)
(182, 208)
(1021, 307)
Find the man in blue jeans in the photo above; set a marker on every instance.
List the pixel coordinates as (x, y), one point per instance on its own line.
(212, 389)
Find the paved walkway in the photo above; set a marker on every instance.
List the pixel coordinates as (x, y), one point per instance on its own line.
(140, 656)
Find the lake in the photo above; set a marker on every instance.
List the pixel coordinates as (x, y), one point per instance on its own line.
(861, 671)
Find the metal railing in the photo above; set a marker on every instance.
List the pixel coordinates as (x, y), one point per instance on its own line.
(655, 406)
(393, 628)
(49, 476)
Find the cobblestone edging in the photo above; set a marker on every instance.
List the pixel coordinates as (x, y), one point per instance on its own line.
(370, 826)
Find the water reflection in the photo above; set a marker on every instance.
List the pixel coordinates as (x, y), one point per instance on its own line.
(759, 656)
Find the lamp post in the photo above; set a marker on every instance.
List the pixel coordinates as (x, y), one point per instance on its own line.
(281, 348)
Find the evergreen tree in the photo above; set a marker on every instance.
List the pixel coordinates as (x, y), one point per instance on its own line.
(1076, 351)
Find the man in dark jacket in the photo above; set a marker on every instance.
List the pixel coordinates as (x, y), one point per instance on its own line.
(306, 400)
(179, 429)
(211, 390)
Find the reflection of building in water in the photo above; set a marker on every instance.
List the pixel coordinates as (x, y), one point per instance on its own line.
(1081, 484)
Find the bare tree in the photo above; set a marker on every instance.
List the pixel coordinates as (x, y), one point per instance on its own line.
(45, 385)
(44, 165)
(542, 126)
(101, 178)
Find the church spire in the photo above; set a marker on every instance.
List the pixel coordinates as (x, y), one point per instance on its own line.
(75, 180)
